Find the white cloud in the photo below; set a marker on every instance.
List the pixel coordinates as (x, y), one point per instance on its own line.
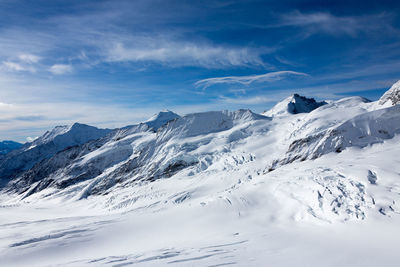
(336, 25)
(29, 58)
(108, 41)
(14, 66)
(323, 22)
(5, 105)
(175, 53)
(246, 80)
(147, 38)
(61, 69)
(24, 62)
(300, 19)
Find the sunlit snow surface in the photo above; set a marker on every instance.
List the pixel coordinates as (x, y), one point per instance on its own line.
(246, 197)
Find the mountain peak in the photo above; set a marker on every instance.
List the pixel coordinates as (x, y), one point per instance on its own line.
(78, 125)
(392, 96)
(294, 104)
(302, 104)
(76, 133)
(161, 118)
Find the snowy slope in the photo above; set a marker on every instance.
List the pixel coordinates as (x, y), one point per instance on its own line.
(310, 184)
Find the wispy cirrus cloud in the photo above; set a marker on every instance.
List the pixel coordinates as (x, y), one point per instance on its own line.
(60, 68)
(125, 35)
(22, 62)
(246, 80)
(16, 66)
(29, 58)
(325, 22)
(183, 53)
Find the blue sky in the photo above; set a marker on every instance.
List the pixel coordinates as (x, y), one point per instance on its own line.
(114, 63)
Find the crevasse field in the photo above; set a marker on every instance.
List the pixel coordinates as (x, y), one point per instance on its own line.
(304, 184)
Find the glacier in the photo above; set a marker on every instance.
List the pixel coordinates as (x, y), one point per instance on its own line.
(306, 183)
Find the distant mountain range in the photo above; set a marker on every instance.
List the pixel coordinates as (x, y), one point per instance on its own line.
(7, 146)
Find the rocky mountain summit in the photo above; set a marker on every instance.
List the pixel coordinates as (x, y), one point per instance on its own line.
(293, 105)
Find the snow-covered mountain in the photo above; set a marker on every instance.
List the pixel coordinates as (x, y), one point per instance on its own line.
(236, 178)
(46, 146)
(360, 131)
(7, 146)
